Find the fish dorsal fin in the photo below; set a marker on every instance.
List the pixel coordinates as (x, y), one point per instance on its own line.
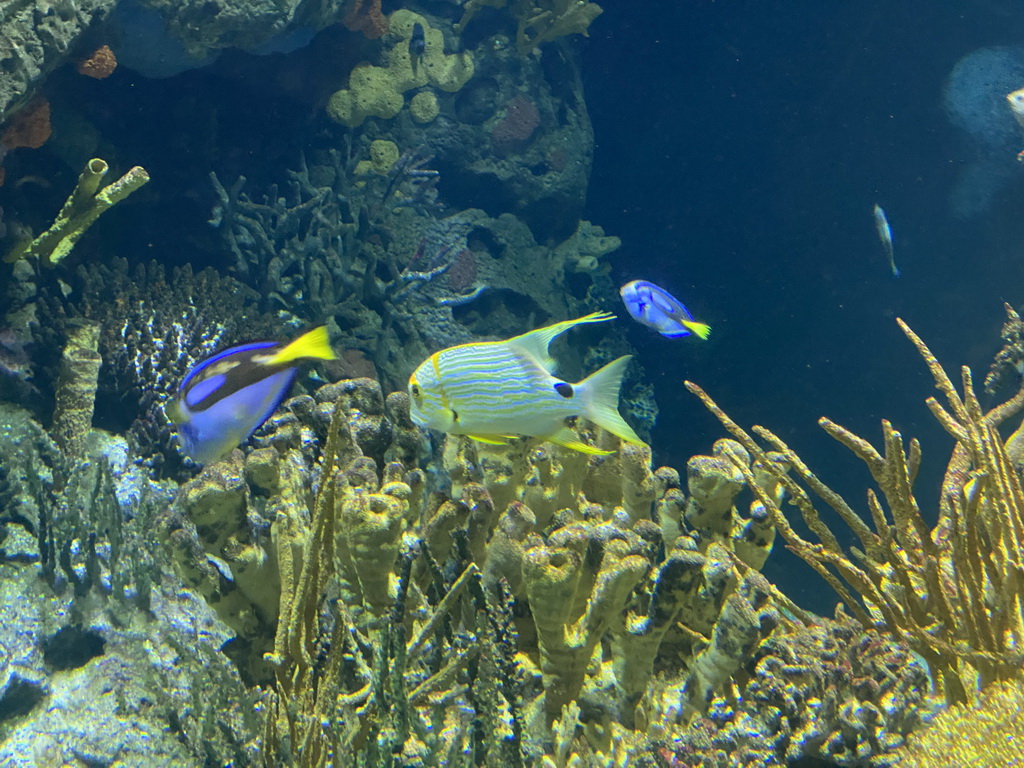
(536, 343)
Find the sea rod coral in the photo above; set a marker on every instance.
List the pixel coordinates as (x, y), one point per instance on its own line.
(951, 593)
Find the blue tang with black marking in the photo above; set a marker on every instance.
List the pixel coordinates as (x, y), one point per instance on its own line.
(226, 398)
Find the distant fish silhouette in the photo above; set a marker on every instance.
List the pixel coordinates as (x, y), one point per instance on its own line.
(656, 308)
(885, 235)
(417, 44)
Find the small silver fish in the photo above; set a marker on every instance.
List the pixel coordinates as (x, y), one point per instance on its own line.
(885, 235)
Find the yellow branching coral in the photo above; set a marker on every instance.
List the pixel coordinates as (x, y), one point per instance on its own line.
(951, 593)
(540, 21)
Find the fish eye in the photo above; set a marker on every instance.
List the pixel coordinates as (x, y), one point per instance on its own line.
(415, 389)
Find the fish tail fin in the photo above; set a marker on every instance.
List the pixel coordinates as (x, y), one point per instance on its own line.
(599, 396)
(312, 344)
(698, 329)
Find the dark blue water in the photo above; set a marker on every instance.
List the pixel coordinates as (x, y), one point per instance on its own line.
(740, 149)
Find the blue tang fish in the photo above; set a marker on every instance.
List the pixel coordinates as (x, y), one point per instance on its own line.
(656, 308)
(496, 390)
(225, 398)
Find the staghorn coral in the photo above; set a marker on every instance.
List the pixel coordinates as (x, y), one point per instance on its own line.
(941, 591)
(294, 246)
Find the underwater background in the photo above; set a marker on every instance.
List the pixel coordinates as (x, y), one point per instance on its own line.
(349, 587)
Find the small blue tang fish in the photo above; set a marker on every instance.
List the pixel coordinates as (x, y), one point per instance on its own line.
(226, 398)
(656, 308)
(492, 391)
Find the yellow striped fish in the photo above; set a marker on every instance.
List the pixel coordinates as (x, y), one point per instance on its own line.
(496, 390)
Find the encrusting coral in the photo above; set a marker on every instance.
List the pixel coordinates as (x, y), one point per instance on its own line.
(986, 734)
(379, 91)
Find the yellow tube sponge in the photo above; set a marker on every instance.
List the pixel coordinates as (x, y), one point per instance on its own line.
(84, 206)
(378, 91)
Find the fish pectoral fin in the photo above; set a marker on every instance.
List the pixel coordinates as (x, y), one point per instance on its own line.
(172, 409)
(491, 439)
(566, 438)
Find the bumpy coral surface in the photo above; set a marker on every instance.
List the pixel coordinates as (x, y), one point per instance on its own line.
(988, 734)
(378, 91)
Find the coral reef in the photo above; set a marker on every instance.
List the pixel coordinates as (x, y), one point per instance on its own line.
(941, 590)
(592, 572)
(987, 733)
(153, 327)
(82, 208)
(827, 691)
(378, 91)
(540, 21)
(106, 657)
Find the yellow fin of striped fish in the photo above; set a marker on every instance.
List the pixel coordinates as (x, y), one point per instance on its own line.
(490, 439)
(599, 393)
(536, 343)
(566, 438)
(314, 343)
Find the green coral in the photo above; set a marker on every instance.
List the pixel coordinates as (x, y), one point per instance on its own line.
(424, 107)
(379, 91)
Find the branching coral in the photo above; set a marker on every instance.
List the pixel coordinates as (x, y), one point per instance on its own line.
(540, 21)
(950, 593)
